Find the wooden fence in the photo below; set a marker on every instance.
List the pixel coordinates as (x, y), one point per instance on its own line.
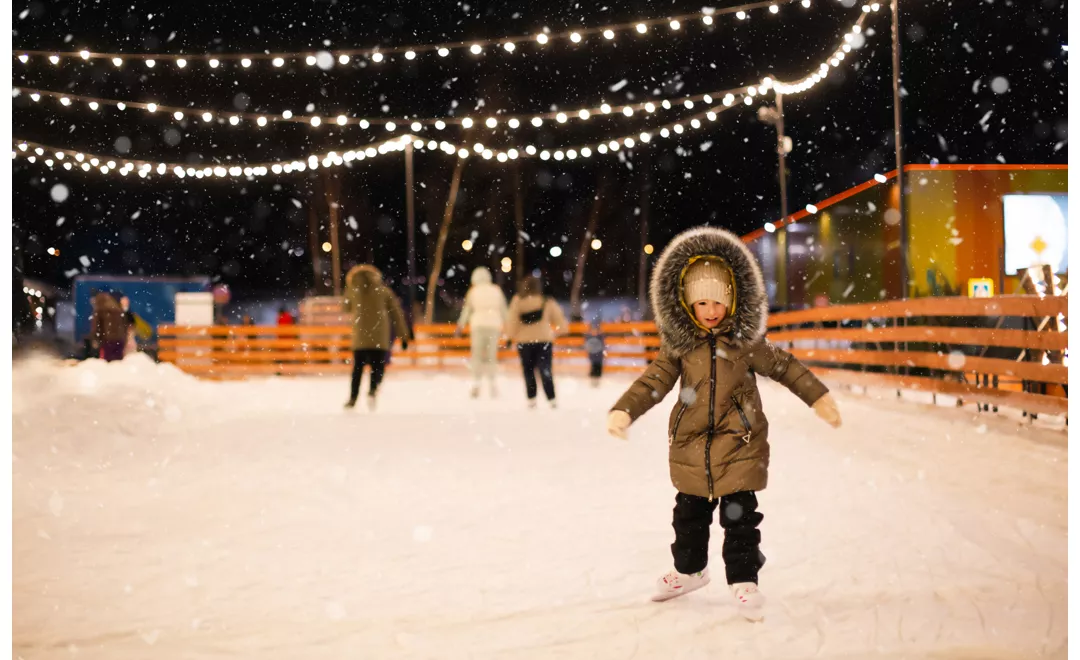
(1008, 350)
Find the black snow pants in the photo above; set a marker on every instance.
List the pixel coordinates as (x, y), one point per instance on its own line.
(369, 356)
(739, 517)
(536, 356)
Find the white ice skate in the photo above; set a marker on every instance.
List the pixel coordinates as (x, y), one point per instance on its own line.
(532, 404)
(750, 601)
(674, 583)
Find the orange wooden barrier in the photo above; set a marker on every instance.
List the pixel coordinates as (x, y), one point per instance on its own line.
(907, 344)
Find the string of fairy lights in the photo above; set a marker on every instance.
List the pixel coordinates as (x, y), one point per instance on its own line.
(327, 59)
(73, 160)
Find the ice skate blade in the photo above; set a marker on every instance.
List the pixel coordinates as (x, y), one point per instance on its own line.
(662, 597)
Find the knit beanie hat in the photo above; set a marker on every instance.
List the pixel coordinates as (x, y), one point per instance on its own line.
(707, 280)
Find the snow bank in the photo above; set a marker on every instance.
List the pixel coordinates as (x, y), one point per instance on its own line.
(160, 516)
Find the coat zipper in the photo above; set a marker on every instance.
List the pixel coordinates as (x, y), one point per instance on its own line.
(745, 421)
(712, 412)
(675, 429)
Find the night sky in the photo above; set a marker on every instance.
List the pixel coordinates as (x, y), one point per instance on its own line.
(984, 81)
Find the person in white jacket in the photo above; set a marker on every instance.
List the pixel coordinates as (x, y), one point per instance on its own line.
(485, 314)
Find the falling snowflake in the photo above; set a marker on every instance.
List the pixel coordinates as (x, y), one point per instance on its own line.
(59, 193)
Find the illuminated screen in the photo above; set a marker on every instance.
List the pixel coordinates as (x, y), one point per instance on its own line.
(1036, 232)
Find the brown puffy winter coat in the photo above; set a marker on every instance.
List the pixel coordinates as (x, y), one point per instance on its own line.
(717, 431)
(107, 323)
(374, 309)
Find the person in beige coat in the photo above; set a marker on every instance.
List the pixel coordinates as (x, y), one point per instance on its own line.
(533, 322)
(710, 305)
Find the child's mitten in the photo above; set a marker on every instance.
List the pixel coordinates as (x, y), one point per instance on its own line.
(617, 423)
(826, 409)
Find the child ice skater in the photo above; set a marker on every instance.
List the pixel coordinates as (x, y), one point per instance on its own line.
(710, 306)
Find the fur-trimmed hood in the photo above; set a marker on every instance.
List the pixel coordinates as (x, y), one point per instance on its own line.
(679, 332)
(368, 275)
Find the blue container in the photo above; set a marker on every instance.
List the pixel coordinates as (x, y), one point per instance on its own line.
(152, 298)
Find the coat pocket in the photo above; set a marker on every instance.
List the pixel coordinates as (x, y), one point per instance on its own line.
(749, 431)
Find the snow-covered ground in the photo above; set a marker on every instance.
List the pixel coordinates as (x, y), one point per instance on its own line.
(156, 516)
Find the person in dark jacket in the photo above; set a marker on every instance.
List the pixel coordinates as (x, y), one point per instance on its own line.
(374, 310)
(108, 327)
(594, 346)
(710, 305)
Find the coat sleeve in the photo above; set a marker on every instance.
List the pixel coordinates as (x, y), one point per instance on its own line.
(401, 329)
(651, 387)
(776, 363)
(513, 319)
(466, 310)
(557, 318)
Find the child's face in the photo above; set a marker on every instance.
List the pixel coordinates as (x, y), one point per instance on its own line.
(709, 313)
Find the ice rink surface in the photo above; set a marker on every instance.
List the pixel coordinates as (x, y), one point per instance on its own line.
(158, 516)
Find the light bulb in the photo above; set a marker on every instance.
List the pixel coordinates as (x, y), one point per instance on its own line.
(93, 105)
(559, 155)
(439, 125)
(545, 155)
(628, 111)
(880, 178)
(584, 114)
(178, 115)
(875, 6)
(752, 91)
(476, 49)
(35, 97)
(561, 117)
(711, 115)
(629, 142)
(213, 64)
(707, 20)
(674, 25)
(463, 153)
(537, 122)
(467, 122)
(811, 209)
(770, 227)
(116, 61)
(181, 63)
(478, 148)
(575, 37)
(605, 108)
(773, 9)
(502, 158)
(287, 114)
(747, 100)
(846, 48)
(487, 154)
(609, 34)
(513, 123)
(541, 38)
(261, 121)
(642, 28)
(410, 54)
(443, 52)
(512, 154)
(613, 145)
(509, 46)
(376, 57)
(645, 137)
(245, 62)
(152, 107)
(806, 3)
(729, 99)
(531, 150)
(54, 59)
(856, 29)
(649, 107)
(85, 54)
(315, 121)
(571, 154)
(741, 15)
(25, 58)
(678, 128)
(278, 61)
(491, 122)
(234, 120)
(342, 120)
(696, 123)
(310, 60)
(391, 126)
(601, 149)
(150, 64)
(688, 103)
(343, 59)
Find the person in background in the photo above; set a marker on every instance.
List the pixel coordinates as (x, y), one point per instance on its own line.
(533, 322)
(108, 329)
(594, 346)
(285, 317)
(247, 320)
(484, 312)
(130, 345)
(373, 309)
